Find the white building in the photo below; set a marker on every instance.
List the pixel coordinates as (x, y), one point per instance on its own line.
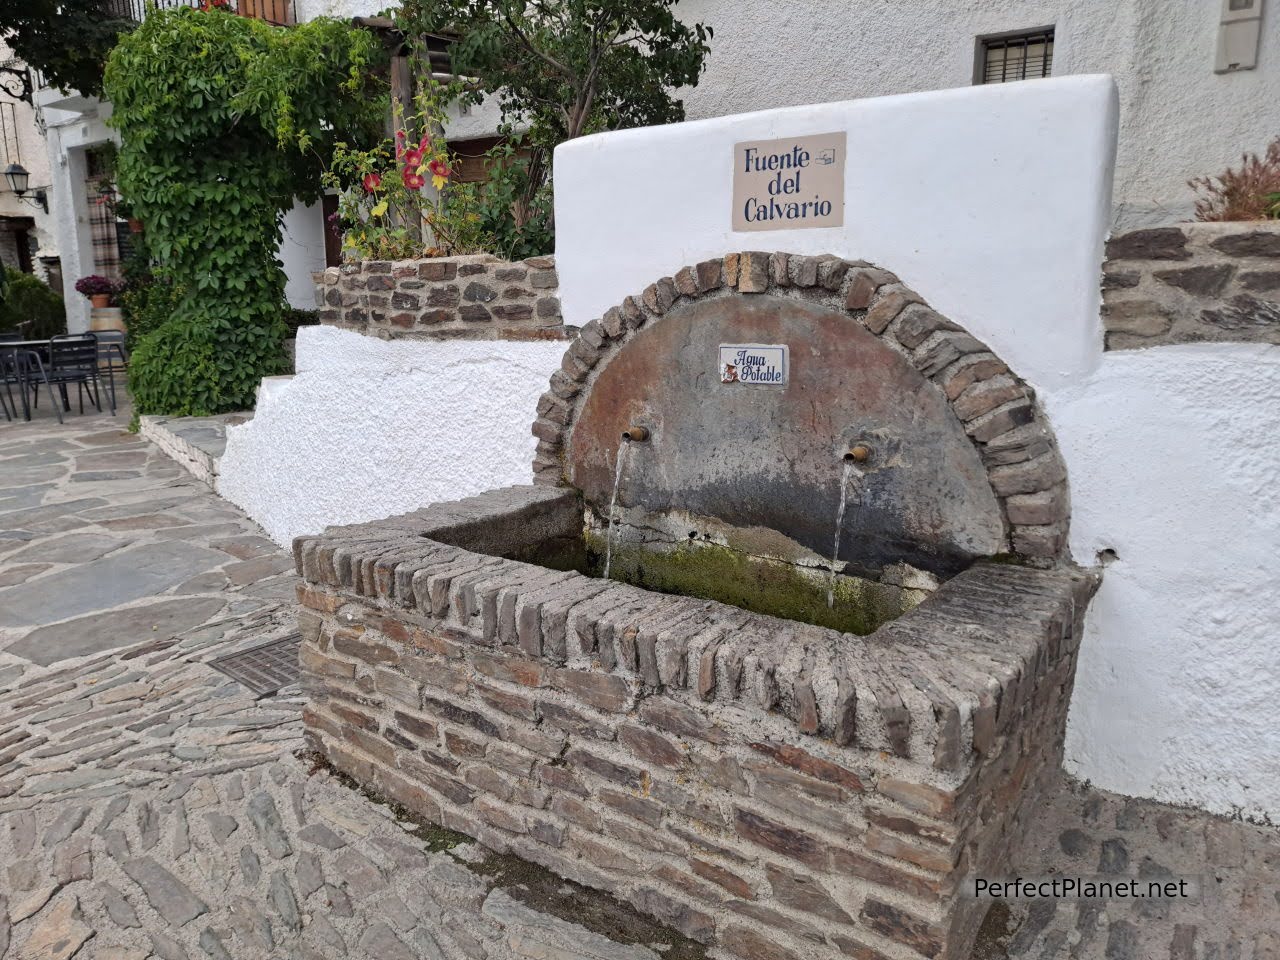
(1199, 84)
(84, 229)
(1199, 80)
(27, 239)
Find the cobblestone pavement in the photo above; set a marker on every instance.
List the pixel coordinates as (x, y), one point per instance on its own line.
(1090, 833)
(151, 807)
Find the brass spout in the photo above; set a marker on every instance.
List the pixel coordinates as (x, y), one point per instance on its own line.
(635, 434)
(858, 453)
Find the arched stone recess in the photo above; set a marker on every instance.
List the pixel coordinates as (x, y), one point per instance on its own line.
(990, 404)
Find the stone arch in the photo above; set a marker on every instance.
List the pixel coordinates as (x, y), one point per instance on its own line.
(996, 409)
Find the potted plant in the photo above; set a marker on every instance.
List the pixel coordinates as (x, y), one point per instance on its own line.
(98, 289)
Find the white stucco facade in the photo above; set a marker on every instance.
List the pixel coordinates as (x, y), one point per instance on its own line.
(1178, 119)
(372, 428)
(69, 134)
(993, 203)
(21, 142)
(1172, 467)
(302, 252)
(951, 190)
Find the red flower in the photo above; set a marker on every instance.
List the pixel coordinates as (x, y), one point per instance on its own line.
(439, 168)
(412, 179)
(371, 182)
(413, 158)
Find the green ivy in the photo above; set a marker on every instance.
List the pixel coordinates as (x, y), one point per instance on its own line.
(224, 121)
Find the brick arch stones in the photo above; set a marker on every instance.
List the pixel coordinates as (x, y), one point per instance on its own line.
(995, 408)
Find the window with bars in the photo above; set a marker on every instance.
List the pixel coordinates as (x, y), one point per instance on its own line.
(1015, 56)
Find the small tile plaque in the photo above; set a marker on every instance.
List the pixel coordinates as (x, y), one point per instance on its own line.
(754, 363)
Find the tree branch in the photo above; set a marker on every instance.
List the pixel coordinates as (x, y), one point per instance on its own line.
(528, 45)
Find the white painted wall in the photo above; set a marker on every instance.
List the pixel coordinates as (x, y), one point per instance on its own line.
(68, 135)
(371, 428)
(302, 253)
(1178, 119)
(24, 144)
(1173, 466)
(993, 203)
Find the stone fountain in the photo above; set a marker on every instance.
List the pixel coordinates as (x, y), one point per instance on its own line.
(781, 749)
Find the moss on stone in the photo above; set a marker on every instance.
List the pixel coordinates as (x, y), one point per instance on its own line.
(714, 572)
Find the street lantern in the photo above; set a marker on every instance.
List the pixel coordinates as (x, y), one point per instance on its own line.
(19, 180)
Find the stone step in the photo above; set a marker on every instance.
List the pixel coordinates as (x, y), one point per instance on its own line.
(196, 443)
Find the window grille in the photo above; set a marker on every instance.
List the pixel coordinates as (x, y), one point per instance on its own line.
(1021, 56)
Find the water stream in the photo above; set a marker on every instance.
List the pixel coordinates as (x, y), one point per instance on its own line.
(850, 472)
(623, 447)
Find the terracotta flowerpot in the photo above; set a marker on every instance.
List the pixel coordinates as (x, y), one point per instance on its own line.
(135, 225)
(100, 299)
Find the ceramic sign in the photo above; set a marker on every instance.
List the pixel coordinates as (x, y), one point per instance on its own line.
(789, 184)
(753, 363)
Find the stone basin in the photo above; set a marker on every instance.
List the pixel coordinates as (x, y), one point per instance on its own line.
(772, 787)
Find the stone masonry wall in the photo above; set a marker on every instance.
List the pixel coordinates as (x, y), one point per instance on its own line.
(775, 789)
(473, 297)
(996, 409)
(1192, 283)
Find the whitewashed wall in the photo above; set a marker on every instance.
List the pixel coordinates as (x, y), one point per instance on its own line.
(371, 428)
(1173, 466)
(302, 253)
(68, 135)
(24, 144)
(993, 203)
(1178, 119)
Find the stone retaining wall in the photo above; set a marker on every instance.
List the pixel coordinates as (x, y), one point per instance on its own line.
(473, 297)
(1191, 283)
(778, 790)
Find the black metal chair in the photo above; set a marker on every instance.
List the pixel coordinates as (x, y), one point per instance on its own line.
(73, 358)
(114, 355)
(23, 368)
(8, 377)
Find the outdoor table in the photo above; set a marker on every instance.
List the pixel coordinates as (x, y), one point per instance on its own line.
(42, 349)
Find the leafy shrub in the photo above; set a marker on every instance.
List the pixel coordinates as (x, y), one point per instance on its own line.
(558, 69)
(30, 307)
(519, 219)
(148, 304)
(188, 368)
(223, 121)
(1249, 192)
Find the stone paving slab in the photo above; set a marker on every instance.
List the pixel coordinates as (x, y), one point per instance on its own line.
(127, 575)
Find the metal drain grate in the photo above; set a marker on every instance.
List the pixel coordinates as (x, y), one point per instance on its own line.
(265, 668)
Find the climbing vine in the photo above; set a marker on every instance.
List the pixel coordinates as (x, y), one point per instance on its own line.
(224, 121)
